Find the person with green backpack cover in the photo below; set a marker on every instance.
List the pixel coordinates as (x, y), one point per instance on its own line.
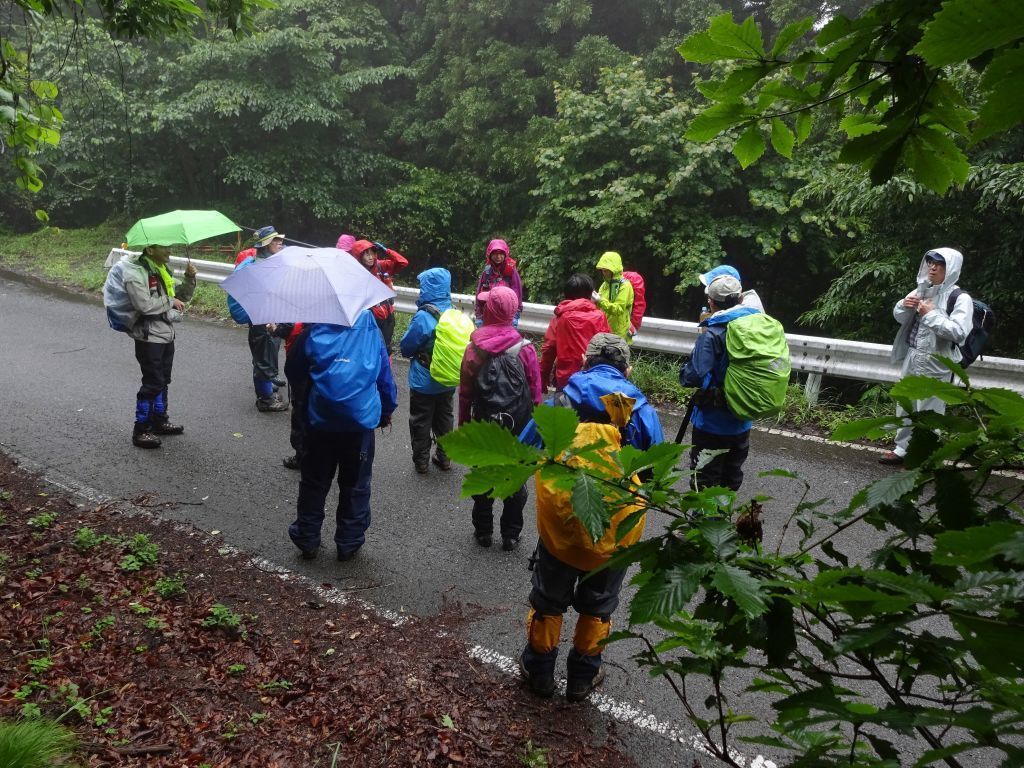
(435, 341)
(740, 366)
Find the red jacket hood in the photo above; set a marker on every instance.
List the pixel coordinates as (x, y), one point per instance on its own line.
(576, 305)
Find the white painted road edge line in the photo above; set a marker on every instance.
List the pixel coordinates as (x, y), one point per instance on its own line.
(624, 712)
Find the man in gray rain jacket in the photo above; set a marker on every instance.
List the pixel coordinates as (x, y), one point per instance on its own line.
(928, 329)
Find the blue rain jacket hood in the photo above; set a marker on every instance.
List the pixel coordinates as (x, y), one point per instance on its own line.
(436, 289)
(585, 389)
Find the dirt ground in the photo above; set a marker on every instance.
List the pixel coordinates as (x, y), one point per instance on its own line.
(161, 649)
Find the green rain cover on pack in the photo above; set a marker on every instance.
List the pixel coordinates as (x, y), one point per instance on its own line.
(759, 366)
(450, 341)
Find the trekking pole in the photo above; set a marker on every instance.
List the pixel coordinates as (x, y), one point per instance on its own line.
(686, 418)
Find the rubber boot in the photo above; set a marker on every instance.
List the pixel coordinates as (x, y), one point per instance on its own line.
(161, 424)
(142, 433)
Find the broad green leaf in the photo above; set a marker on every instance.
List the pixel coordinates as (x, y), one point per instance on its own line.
(955, 368)
(661, 457)
(804, 121)
(923, 387)
(860, 125)
(743, 588)
(485, 443)
(557, 427)
(964, 29)
(790, 34)
(735, 85)
(588, 506)
(1004, 82)
(936, 160)
(496, 481)
(782, 138)
(864, 637)
(745, 38)
(995, 644)
(702, 48)
(1004, 402)
(954, 500)
(667, 592)
(781, 632)
(890, 489)
(706, 456)
(873, 427)
(1013, 548)
(720, 535)
(715, 119)
(750, 146)
(972, 546)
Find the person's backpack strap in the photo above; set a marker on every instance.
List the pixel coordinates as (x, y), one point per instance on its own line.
(434, 311)
(951, 302)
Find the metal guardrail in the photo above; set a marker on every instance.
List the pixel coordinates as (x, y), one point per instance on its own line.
(812, 355)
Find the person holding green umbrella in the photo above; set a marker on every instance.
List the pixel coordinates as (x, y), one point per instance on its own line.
(152, 292)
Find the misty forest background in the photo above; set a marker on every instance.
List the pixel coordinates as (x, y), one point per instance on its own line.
(434, 125)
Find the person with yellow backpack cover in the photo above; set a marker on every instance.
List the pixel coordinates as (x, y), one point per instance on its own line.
(436, 340)
(611, 408)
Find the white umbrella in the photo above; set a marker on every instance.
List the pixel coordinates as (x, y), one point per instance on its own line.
(307, 285)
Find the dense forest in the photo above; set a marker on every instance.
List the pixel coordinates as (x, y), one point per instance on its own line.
(559, 125)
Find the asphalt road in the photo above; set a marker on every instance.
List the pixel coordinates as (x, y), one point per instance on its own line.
(67, 399)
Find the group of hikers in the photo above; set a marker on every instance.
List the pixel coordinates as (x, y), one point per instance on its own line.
(341, 390)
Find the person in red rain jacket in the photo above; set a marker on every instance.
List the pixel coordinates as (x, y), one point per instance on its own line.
(577, 319)
(383, 262)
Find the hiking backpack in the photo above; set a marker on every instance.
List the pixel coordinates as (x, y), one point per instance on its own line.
(758, 373)
(121, 313)
(502, 393)
(451, 337)
(636, 315)
(983, 322)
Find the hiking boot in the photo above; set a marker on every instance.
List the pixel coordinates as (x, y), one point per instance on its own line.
(278, 382)
(542, 685)
(309, 554)
(344, 557)
(442, 462)
(890, 458)
(509, 543)
(483, 539)
(292, 462)
(270, 404)
(142, 437)
(577, 689)
(421, 467)
(166, 428)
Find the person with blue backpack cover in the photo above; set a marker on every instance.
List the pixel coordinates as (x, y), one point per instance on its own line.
(349, 392)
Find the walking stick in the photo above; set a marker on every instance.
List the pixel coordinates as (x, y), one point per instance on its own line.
(686, 418)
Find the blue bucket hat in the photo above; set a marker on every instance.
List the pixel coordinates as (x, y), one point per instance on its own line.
(262, 236)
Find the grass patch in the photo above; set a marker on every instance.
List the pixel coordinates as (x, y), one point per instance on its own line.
(35, 744)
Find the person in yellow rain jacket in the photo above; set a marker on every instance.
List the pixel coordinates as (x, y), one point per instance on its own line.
(611, 408)
(614, 297)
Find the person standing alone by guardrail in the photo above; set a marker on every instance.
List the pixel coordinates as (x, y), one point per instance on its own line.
(926, 330)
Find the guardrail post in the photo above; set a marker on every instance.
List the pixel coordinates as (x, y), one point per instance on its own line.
(812, 387)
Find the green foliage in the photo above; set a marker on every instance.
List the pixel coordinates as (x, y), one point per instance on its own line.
(914, 637)
(86, 539)
(142, 553)
(42, 521)
(169, 586)
(36, 743)
(886, 75)
(223, 618)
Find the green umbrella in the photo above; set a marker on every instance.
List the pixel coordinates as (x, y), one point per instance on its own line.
(179, 227)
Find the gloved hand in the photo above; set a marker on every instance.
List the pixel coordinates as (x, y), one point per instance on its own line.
(385, 421)
(190, 270)
(380, 247)
(595, 297)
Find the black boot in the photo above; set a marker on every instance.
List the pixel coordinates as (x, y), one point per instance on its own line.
(160, 423)
(143, 437)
